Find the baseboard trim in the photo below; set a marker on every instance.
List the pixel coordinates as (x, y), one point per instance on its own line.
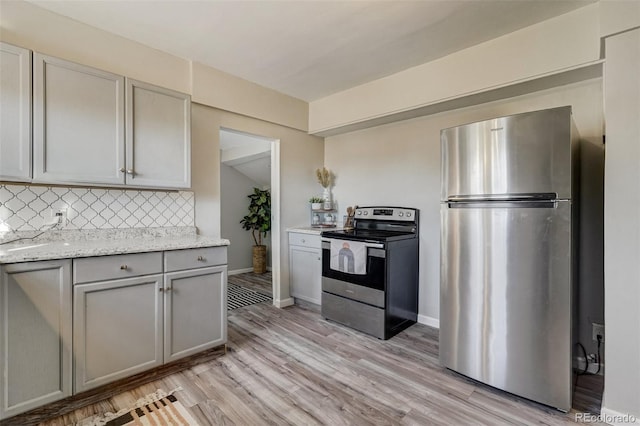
(617, 418)
(283, 303)
(430, 321)
(240, 271)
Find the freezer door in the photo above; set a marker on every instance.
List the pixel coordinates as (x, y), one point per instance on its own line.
(506, 298)
(524, 153)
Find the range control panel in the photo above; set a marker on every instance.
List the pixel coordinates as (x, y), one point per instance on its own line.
(386, 213)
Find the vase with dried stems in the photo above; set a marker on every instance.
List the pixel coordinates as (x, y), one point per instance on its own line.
(325, 178)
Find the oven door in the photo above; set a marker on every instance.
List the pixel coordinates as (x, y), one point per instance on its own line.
(376, 267)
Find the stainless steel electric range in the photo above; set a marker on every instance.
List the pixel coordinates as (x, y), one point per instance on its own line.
(370, 273)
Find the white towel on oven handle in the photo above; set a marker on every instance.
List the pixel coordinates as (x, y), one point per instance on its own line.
(349, 257)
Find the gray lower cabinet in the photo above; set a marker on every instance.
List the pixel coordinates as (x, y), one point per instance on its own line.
(305, 267)
(123, 326)
(117, 329)
(35, 335)
(63, 333)
(195, 311)
(15, 113)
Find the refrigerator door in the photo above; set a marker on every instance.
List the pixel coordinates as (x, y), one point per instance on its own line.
(524, 153)
(505, 297)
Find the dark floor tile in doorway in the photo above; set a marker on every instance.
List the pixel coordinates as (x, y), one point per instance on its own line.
(256, 282)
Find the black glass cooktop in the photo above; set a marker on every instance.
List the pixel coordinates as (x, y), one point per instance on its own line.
(369, 235)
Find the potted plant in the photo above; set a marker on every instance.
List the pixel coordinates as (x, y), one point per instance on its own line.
(316, 203)
(258, 221)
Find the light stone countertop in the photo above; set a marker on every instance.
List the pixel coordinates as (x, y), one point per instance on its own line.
(306, 230)
(312, 230)
(61, 245)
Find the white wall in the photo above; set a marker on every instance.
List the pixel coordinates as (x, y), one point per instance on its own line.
(399, 164)
(234, 188)
(622, 221)
(225, 91)
(300, 155)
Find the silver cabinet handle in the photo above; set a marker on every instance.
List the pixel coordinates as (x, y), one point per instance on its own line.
(304, 241)
(161, 289)
(168, 289)
(201, 259)
(130, 171)
(124, 267)
(122, 170)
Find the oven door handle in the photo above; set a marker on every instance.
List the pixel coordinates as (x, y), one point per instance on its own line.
(326, 244)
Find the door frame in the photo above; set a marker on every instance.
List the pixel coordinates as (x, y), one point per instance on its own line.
(280, 300)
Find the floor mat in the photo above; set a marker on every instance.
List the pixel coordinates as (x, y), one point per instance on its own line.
(237, 297)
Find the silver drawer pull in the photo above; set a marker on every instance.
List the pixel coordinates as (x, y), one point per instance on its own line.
(304, 241)
(161, 289)
(350, 291)
(201, 259)
(124, 267)
(168, 289)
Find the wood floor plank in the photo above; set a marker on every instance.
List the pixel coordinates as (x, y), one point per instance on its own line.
(290, 366)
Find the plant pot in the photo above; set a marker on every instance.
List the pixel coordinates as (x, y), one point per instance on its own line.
(316, 206)
(259, 259)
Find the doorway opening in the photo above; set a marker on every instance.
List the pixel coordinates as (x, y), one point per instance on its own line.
(249, 161)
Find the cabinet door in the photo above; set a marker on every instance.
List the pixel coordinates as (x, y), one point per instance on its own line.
(117, 329)
(78, 123)
(306, 273)
(35, 335)
(195, 311)
(15, 113)
(158, 136)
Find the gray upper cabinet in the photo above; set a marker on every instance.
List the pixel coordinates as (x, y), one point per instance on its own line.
(78, 124)
(92, 127)
(158, 136)
(15, 113)
(35, 335)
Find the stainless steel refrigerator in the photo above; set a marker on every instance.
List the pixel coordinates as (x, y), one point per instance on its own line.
(508, 222)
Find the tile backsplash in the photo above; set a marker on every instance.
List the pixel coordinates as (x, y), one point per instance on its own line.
(28, 207)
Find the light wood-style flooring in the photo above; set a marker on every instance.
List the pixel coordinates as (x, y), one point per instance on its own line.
(289, 366)
(256, 282)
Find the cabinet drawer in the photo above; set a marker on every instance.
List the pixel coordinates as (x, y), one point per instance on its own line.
(178, 260)
(118, 266)
(304, 240)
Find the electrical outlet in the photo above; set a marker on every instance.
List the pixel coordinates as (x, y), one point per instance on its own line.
(597, 329)
(61, 215)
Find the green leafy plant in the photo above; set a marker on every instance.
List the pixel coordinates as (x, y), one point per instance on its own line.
(316, 200)
(258, 221)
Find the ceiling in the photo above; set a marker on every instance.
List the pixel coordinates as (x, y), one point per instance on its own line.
(310, 49)
(247, 154)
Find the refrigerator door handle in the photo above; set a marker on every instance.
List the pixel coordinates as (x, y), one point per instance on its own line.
(544, 196)
(547, 204)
